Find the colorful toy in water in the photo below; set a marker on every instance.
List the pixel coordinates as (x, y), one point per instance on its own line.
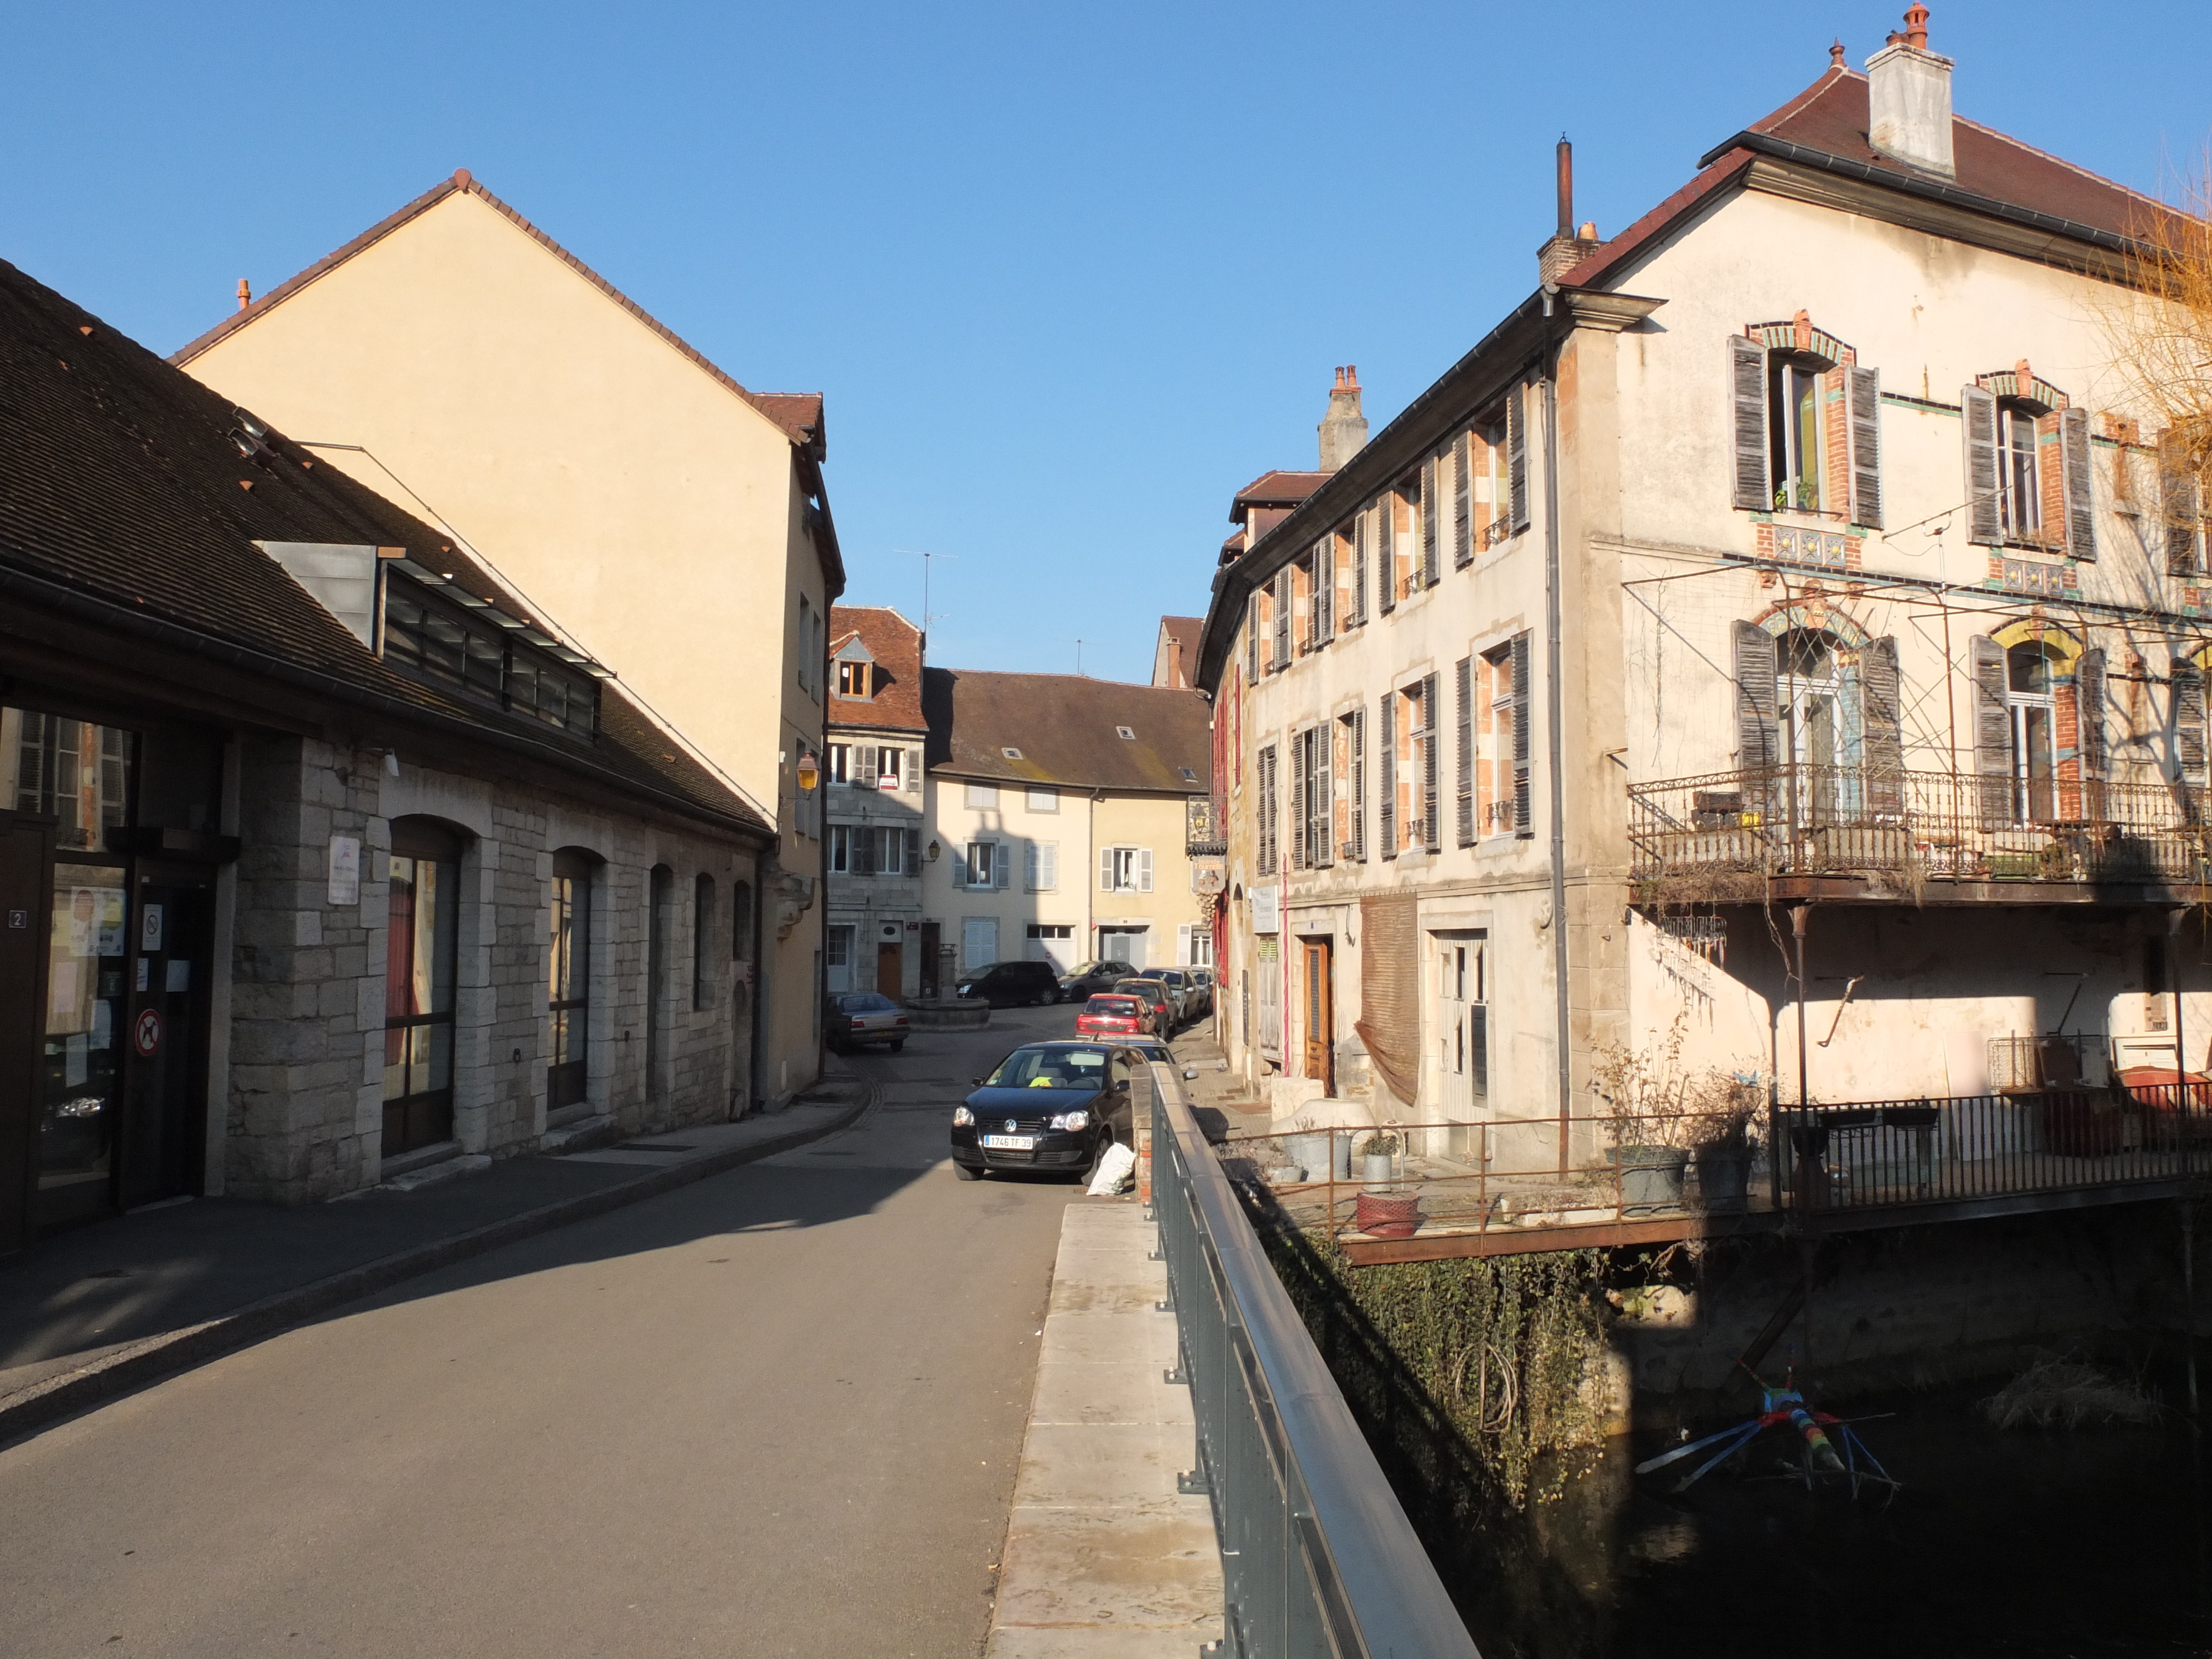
(1817, 1450)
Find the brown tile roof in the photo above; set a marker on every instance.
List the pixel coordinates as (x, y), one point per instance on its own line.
(896, 644)
(797, 413)
(1064, 727)
(1283, 489)
(125, 483)
(1185, 633)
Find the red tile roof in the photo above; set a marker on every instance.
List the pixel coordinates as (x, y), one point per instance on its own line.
(1275, 490)
(1184, 634)
(797, 413)
(896, 644)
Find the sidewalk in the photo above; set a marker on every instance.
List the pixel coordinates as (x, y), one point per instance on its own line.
(1104, 1559)
(106, 1309)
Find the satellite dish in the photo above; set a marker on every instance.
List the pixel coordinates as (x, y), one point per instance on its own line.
(1208, 882)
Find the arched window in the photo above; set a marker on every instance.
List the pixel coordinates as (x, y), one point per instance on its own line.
(661, 925)
(422, 932)
(2032, 719)
(702, 934)
(1796, 406)
(570, 978)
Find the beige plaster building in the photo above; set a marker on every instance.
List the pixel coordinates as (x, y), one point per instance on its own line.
(676, 522)
(1792, 567)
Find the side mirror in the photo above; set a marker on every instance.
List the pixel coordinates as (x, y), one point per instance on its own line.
(1190, 1074)
(977, 1081)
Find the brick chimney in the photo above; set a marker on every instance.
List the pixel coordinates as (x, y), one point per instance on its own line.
(1567, 246)
(1909, 98)
(1343, 429)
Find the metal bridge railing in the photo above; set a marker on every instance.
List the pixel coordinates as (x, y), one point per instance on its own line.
(1318, 1559)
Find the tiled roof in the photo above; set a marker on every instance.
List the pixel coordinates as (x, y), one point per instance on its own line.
(1185, 632)
(797, 413)
(896, 645)
(1275, 490)
(1065, 727)
(126, 482)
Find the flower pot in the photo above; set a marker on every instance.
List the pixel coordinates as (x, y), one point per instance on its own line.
(1375, 1169)
(1285, 1174)
(1388, 1215)
(1650, 1178)
(1310, 1151)
(1723, 1178)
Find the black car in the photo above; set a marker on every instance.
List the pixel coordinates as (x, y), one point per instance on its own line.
(1087, 978)
(1011, 984)
(1047, 1106)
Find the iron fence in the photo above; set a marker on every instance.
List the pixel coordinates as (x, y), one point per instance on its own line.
(1915, 826)
(1318, 1559)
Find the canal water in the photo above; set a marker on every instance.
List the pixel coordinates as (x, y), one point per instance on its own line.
(2024, 1545)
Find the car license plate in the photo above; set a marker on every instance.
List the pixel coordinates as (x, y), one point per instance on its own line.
(1012, 1143)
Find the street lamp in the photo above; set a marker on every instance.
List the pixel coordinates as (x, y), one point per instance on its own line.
(810, 774)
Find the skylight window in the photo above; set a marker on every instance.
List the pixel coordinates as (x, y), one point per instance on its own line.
(1011, 754)
(1125, 732)
(1189, 777)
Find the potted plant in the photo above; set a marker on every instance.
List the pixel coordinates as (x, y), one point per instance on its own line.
(1720, 1142)
(1378, 1157)
(1661, 1114)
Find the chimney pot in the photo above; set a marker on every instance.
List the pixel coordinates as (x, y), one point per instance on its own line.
(1565, 158)
(245, 294)
(1909, 99)
(1587, 232)
(1343, 429)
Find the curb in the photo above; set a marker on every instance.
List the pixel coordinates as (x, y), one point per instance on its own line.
(138, 1365)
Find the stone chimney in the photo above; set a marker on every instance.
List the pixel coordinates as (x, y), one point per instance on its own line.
(1566, 247)
(1343, 429)
(1909, 98)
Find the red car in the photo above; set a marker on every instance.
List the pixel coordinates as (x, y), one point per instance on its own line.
(1108, 1015)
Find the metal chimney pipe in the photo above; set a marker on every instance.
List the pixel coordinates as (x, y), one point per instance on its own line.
(1566, 154)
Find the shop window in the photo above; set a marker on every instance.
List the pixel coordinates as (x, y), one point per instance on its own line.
(421, 934)
(75, 772)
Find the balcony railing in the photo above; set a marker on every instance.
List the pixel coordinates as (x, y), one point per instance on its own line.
(1723, 836)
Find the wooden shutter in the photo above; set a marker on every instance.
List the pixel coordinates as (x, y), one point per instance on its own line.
(1881, 726)
(1323, 802)
(1144, 869)
(2189, 720)
(1356, 611)
(1462, 501)
(1524, 703)
(1356, 785)
(1324, 589)
(2178, 505)
(1992, 729)
(1516, 459)
(2090, 713)
(1757, 732)
(1283, 618)
(1252, 642)
(1386, 551)
(1747, 385)
(1984, 523)
(1428, 488)
(2074, 456)
(1864, 386)
(1386, 751)
(1463, 672)
(1432, 830)
(1299, 860)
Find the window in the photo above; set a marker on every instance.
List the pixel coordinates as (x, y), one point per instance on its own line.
(569, 998)
(897, 851)
(1464, 1030)
(1311, 845)
(1125, 869)
(77, 772)
(985, 866)
(421, 934)
(1043, 800)
(837, 955)
(1043, 874)
(2031, 717)
(741, 922)
(838, 854)
(1264, 769)
(891, 765)
(856, 679)
(981, 797)
(1795, 406)
(1808, 424)
(1503, 712)
(807, 650)
(2020, 499)
(1011, 754)
(2027, 464)
(702, 935)
(837, 763)
(1125, 733)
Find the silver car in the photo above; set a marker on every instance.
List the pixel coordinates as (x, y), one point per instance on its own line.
(1182, 993)
(1201, 983)
(857, 1018)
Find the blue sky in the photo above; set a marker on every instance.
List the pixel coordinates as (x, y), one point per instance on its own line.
(1069, 275)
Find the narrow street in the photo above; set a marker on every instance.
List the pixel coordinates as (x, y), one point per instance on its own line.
(777, 1412)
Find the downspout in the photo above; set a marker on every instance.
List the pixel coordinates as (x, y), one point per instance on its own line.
(756, 1061)
(1555, 738)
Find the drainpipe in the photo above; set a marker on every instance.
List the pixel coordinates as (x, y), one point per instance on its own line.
(1798, 915)
(1555, 738)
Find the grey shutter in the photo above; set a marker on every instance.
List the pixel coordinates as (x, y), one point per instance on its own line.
(1386, 753)
(1432, 830)
(1144, 869)
(1758, 730)
(1478, 1049)
(2074, 455)
(1002, 862)
(1428, 488)
(1881, 726)
(912, 853)
(1747, 382)
(1324, 589)
(959, 867)
(1864, 386)
(1386, 536)
(1357, 785)
(1462, 503)
(1360, 531)
(1985, 527)
(2178, 505)
(1298, 800)
(1320, 797)
(1252, 642)
(1463, 672)
(2188, 721)
(1283, 617)
(1992, 729)
(1516, 459)
(2089, 716)
(1524, 704)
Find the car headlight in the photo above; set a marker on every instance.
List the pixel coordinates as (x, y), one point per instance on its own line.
(962, 1117)
(1071, 1120)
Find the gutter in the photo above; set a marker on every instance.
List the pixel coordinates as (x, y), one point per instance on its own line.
(105, 613)
(1555, 740)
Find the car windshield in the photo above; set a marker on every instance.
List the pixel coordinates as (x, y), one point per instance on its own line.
(864, 1002)
(1142, 988)
(1112, 1005)
(1049, 1069)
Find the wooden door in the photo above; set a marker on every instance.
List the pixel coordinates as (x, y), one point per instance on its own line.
(890, 970)
(1321, 1016)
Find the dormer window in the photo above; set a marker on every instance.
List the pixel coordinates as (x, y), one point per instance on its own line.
(853, 680)
(468, 644)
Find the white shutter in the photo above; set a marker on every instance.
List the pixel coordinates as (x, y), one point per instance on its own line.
(1002, 865)
(1144, 869)
(1033, 850)
(959, 867)
(1047, 865)
(1182, 945)
(914, 771)
(1105, 869)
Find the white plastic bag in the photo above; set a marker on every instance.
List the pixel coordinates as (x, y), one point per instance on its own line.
(1114, 1170)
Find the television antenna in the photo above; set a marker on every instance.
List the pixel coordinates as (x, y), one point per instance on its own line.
(927, 615)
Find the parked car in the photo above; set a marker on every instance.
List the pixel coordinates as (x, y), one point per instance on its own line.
(1045, 1106)
(857, 1019)
(1087, 978)
(1159, 995)
(1201, 981)
(1111, 1014)
(1011, 984)
(1181, 991)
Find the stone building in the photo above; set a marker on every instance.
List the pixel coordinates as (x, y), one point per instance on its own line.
(1777, 624)
(873, 782)
(676, 522)
(322, 855)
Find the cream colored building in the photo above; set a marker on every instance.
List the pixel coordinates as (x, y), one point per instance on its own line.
(1057, 810)
(673, 523)
(1795, 558)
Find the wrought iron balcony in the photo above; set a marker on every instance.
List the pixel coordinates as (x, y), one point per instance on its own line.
(1726, 835)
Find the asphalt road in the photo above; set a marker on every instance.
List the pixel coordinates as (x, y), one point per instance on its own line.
(776, 1413)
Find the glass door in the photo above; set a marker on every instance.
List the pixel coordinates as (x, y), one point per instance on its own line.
(162, 1135)
(81, 1069)
(1809, 706)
